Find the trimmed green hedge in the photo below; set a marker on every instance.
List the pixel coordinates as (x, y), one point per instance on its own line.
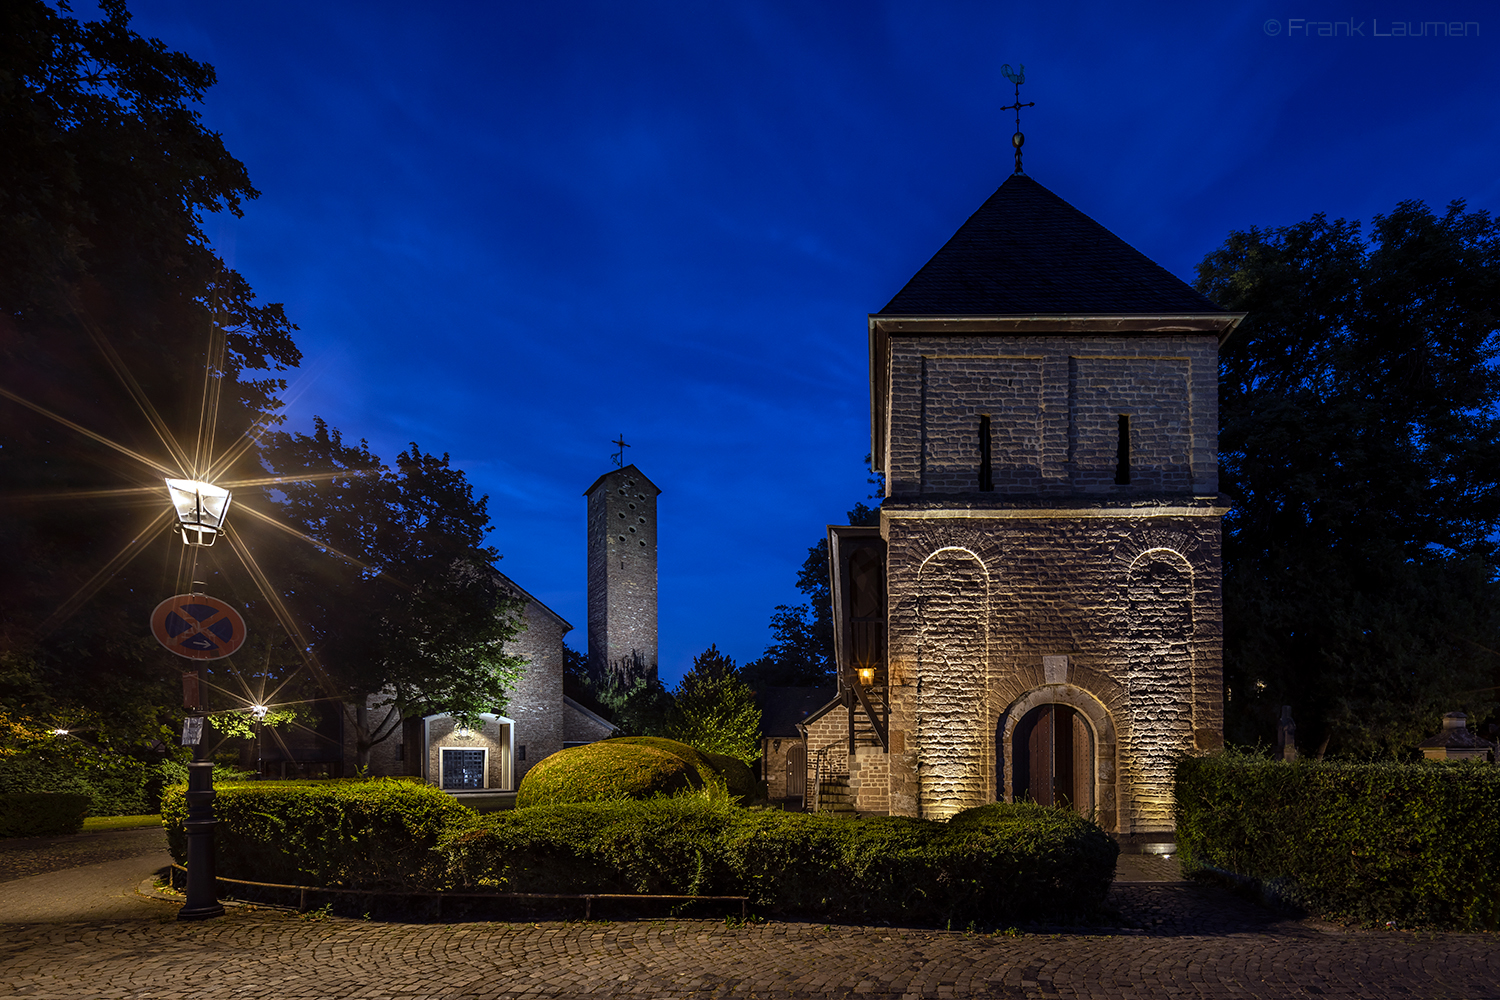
(42, 814)
(989, 865)
(376, 834)
(1418, 844)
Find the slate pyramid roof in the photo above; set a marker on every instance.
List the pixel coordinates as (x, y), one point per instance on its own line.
(1028, 252)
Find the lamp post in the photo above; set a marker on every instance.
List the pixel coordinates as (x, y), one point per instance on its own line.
(201, 509)
(259, 712)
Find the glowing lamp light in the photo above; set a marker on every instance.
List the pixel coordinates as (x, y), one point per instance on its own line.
(867, 676)
(259, 711)
(59, 732)
(201, 509)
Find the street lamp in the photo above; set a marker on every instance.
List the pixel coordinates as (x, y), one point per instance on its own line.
(259, 711)
(201, 509)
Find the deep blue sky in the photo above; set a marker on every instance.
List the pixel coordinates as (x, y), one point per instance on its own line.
(512, 231)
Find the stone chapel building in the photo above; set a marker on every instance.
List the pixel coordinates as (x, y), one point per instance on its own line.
(1038, 613)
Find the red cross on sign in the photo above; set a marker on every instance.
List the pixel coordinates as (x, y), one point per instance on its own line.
(198, 627)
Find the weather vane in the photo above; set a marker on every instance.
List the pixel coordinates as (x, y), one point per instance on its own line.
(1017, 77)
(619, 456)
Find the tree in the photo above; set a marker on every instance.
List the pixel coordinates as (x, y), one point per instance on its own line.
(714, 710)
(395, 595)
(1360, 446)
(112, 308)
(801, 652)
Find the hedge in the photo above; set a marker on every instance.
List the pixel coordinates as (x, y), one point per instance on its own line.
(633, 767)
(994, 864)
(376, 834)
(42, 814)
(605, 770)
(1417, 844)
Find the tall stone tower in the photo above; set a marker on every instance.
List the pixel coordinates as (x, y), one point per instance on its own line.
(622, 576)
(1045, 409)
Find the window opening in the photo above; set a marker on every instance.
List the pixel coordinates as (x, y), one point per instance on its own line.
(986, 478)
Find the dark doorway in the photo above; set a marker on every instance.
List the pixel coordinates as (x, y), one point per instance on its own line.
(1052, 759)
(796, 772)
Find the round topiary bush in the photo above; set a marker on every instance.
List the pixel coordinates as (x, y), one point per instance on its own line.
(612, 769)
(711, 767)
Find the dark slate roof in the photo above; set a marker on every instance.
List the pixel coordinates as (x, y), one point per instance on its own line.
(1026, 251)
(620, 473)
(781, 708)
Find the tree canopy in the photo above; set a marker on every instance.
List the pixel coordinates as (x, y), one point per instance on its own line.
(394, 591)
(714, 710)
(129, 353)
(1360, 447)
(113, 306)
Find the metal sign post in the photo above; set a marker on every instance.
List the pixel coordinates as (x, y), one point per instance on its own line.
(198, 627)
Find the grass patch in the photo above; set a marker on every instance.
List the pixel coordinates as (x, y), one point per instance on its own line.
(93, 824)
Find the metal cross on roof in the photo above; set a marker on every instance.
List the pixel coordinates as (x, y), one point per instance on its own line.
(1017, 77)
(619, 456)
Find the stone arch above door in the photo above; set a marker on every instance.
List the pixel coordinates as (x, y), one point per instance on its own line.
(1105, 744)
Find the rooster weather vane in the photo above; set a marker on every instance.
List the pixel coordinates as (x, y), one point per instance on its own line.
(1017, 76)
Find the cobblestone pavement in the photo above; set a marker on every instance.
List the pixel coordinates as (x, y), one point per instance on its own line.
(20, 857)
(1176, 939)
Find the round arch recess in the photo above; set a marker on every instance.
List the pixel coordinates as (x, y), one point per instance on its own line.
(1097, 718)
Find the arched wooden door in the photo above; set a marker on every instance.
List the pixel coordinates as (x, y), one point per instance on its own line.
(1052, 754)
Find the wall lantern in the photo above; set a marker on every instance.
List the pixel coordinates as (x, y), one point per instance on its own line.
(867, 676)
(201, 509)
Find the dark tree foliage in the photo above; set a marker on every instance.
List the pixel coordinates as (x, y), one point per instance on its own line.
(112, 306)
(395, 593)
(1360, 447)
(801, 651)
(714, 710)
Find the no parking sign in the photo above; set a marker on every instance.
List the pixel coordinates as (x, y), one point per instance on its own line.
(198, 627)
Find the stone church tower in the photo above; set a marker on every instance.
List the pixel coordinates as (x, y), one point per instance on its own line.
(622, 576)
(1045, 409)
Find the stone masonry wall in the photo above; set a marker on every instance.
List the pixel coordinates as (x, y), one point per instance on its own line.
(1054, 404)
(622, 574)
(1125, 603)
(536, 702)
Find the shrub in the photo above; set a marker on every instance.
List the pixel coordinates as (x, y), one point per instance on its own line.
(115, 784)
(737, 776)
(989, 865)
(42, 814)
(1418, 844)
(621, 773)
(354, 834)
(612, 769)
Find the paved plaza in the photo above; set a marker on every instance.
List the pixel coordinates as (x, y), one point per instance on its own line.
(81, 920)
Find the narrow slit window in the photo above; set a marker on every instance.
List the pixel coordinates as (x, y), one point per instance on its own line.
(986, 477)
(1122, 453)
